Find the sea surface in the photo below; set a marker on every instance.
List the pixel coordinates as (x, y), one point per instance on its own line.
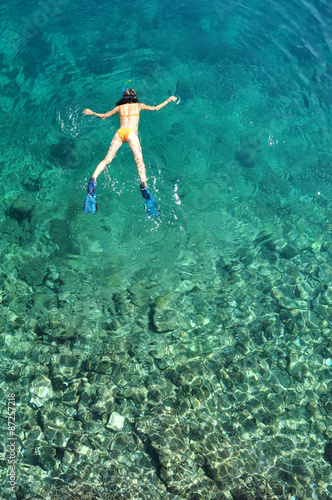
(185, 356)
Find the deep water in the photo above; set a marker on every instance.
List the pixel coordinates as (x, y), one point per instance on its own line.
(205, 333)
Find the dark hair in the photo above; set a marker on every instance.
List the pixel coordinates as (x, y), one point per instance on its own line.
(128, 96)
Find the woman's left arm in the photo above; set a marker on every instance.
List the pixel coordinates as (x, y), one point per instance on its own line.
(156, 108)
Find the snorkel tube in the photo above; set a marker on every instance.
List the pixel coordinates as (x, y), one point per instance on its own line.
(124, 87)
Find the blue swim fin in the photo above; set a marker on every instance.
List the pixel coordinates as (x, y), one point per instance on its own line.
(90, 204)
(150, 203)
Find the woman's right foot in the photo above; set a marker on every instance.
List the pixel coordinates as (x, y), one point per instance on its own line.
(150, 203)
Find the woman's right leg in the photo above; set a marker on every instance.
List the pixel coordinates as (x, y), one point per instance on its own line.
(135, 146)
(115, 145)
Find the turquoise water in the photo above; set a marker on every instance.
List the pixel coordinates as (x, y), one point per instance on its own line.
(187, 356)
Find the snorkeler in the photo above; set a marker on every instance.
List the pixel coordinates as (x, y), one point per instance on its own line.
(129, 110)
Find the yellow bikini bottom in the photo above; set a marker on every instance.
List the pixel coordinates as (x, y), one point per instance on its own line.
(123, 133)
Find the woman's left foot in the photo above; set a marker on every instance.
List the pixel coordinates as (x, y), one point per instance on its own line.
(90, 204)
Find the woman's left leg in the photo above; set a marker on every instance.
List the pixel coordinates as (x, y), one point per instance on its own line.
(115, 145)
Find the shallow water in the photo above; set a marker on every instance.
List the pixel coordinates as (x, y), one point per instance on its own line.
(207, 329)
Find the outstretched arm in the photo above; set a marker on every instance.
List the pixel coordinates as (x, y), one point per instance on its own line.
(103, 116)
(155, 108)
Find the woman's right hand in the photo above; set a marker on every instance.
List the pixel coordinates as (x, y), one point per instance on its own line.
(172, 98)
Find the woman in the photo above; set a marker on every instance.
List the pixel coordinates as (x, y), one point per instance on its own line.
(129, 111)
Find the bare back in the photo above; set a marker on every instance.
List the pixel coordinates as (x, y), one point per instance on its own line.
(129, 115)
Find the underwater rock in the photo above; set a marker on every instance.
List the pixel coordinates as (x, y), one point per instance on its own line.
(59, 325)
(63, 149)
(14, 372)
(165, 320)
(57, 428)
(145, 67)
(21, 209)
(82, 450)
(68, 457)
(245, 159)
(328, 452)
(34, 437)
(87, 394)
(285, 249)
(99, 64)
(46, 456)
(105, 365)
(170, 313)
(167, 301)
(64, 367)
(320, 426)
(296, 367)
(305, 291)
(33, 269)
(115, 422)
(105, 401)
(61, 235)
(120, 442)
(41, 391)
(32, 184)
(139, 294)
(13, 319)
(137, 394)
(286, 299)
(184, 90)
(71, 396)
(325, 273)
(328, 295)
(312, 320)
(10, 89)
(123, 305)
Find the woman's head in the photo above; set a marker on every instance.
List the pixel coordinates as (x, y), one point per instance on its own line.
(128, 96)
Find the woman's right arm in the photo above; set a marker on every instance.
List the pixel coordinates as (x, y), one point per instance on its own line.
(103, 116)
(155, 108)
